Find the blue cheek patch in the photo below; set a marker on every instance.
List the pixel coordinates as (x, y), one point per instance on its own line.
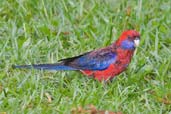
(126, 44)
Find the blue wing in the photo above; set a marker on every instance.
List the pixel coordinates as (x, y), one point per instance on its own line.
(95, 60)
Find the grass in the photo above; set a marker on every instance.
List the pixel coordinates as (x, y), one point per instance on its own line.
(47, 30)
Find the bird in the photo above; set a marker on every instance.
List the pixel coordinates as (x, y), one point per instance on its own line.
(101, 64)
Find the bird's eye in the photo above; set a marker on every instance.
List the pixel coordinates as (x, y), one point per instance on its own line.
(137, 38)
(129, 37)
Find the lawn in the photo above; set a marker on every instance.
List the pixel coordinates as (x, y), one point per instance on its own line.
(45, 31)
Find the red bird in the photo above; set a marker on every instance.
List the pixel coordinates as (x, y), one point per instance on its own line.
(102, 64)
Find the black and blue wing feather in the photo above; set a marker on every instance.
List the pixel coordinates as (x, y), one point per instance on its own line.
(94, 60)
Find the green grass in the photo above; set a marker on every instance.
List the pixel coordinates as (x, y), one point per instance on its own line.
(47, 30)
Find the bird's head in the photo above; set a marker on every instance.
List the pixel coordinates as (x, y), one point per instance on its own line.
(129, 40)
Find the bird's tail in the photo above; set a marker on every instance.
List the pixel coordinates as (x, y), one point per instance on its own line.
(56, 66)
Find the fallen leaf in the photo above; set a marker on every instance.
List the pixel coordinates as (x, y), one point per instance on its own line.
(128, 11)
(166, 99)
(91, 110)
(65, 33)
(48, 97)
(3, 112)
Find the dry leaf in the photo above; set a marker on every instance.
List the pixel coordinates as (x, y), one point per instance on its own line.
(166, 99)
(48, 97)
(3, 112)
(91, 110)
(128, 11)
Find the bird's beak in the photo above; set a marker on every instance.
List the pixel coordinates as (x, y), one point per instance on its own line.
(137, 42)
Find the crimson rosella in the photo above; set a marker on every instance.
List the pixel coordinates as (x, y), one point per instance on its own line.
(102, 64)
